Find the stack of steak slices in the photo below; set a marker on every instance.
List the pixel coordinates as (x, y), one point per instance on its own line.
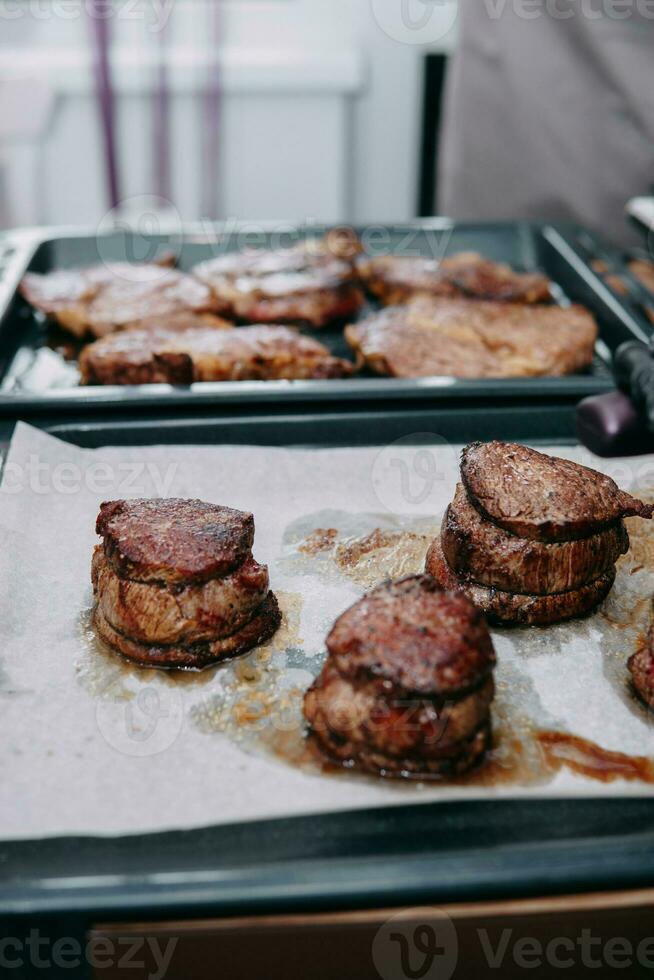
(407, 686)
(176, 585)
(531, 539)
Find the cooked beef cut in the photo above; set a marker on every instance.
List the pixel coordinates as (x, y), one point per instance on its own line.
(541, 497)
(175, 583)
(187, 353)
(258, 629)
(312, 283)
(101, 299)
(415, 637)
(174, 540)
(643, 270)
(474, 339)
(407, 685)
(486, 554)
(641, 668)
(153, 613)
(511, 609)
(395, 279)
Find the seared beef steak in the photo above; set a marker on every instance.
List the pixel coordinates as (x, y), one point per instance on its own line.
(485, 553)
(154, 613)
(195, 656)
(641, 668)
(313, 283)
(473, 339)
(395, 279)
(519, 609)
(98, 300)
(188, 352)
(531, 539)
(174, 540)
(176, 585)
(407, 685)
(542, 497)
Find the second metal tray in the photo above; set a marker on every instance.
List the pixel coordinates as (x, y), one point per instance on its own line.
(32, 380)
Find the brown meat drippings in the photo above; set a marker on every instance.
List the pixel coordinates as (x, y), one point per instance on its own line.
(591, 760)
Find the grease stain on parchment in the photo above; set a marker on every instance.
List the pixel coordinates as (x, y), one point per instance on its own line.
(365, 549)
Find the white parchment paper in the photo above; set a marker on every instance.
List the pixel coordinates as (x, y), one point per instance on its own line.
(91, 745)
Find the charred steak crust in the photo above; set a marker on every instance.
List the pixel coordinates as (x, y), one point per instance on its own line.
(486, 554)
(541, 497)
(416, 637)
(172, 614)
(395, 279)
(511, 609)
(174, 540)
(185, 352)
(255, 631)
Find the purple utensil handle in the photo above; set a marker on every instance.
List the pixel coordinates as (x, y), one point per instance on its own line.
(609, 425)
(101, 32)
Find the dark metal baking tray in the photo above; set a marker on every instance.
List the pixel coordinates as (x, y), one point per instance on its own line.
(525, 246)
(407, 855)
(613, 267)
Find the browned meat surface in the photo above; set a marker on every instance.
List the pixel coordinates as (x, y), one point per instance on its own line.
(365, 728)
(407, 685)
(474, 339)
(175, 583)
(395, 279)
(644, 271)
(258, 629)
(641, 668)
(187, 353)
(104, 298)
(174, 540)
(541, 497)
(415, 636)
(312, 283)
(511, 609)
(153, 613)
(488, 555)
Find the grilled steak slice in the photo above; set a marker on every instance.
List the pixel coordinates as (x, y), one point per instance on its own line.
(395, 279)
(161, 614)
(511, 609)
(258, 629)
(174, 540)
(408, 683)
(474, 339)
(104, 298)
(542, 497)
(486, 554)
(312, 283)
(415, 636)
(187, 353)
(641, 668)
(360, 726)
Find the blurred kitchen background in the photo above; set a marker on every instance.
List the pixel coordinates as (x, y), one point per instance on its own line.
(293, 109)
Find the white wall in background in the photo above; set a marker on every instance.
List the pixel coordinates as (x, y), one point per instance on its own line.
(320, 116)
